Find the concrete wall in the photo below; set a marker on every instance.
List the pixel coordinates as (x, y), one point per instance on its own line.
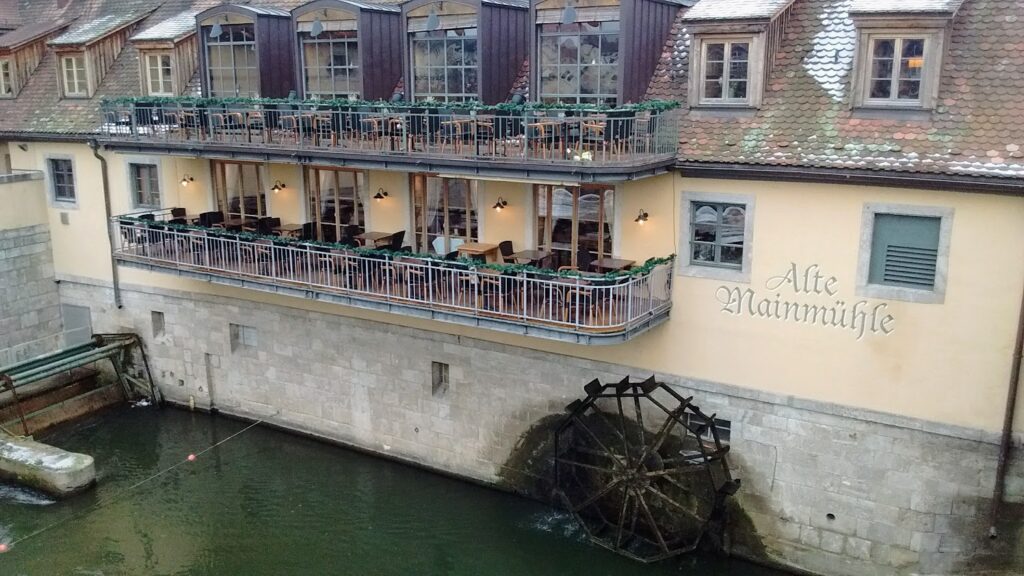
(905, 495)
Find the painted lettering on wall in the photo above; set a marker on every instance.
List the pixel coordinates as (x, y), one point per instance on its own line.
(788, 302)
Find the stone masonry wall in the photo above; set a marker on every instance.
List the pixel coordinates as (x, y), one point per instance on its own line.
(830, 489)
(30, 318)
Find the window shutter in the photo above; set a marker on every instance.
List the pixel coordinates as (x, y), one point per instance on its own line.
(904, 251)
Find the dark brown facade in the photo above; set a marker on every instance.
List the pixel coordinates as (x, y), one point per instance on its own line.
(646, 25)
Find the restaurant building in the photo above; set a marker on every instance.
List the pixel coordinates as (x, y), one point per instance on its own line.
(420, 227)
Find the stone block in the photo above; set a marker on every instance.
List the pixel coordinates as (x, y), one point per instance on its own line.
(858, 548)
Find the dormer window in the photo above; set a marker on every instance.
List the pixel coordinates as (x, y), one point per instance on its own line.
(159, 75)
(246, 51)
(579, 62)
(899, 52)
(725, 67)
(731, 44)
(21, 51)
(6, 86)
(76, 84)
(337, 60)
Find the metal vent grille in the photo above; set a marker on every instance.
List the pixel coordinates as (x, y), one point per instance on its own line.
(910, 265)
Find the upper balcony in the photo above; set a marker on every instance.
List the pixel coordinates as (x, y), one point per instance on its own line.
(584, 143)
(579, 307)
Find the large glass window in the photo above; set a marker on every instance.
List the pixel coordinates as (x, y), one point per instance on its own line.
(579, 62)
(717, 234)
(231, 62)
(337, 201)
(239, 188)
(445, 64)
(574, 218)
(330, 64)
(145, 185)
(75, 83)
(896, 69)
(725, 71)
(444, 213)
(158, 75)
(6, 86)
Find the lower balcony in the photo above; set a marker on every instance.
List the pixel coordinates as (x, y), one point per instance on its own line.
(569, 306)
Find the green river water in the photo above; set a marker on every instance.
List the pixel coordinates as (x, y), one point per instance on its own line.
(267, 502)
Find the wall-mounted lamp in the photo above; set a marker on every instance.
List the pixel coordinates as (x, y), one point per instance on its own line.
(433, 21)
(317, 28)
(569, 15)
(278, 186)
(380, 195)
(641, 217)
(500, 204)
(186, 180)
(216, 30)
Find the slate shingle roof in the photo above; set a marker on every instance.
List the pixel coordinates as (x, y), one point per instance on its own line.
(805, 119)
(904, 6)
(718, 10)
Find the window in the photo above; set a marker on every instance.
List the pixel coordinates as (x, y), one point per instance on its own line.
(158, 75)
(62, 178)
(145, 185)
(579, 62)
(438, 379)
(717, 234)
(75, 83)
(330, 64)
(231, 66)
(337, 202)
(242, 337)
(239, 187)
(445, 64)
(6, 85)
(444, 213)
(904, 252)
(725, 74)
(157, 319)
(574, 218)
(896, 65)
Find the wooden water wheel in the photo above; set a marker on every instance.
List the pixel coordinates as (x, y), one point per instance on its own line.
(641, 468)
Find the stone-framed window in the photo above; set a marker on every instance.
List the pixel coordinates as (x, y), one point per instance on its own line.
(61, 173)
(904, 252)
(144, 180)
(73, 76)
(717, 236)
(897, 68)
(727, 71)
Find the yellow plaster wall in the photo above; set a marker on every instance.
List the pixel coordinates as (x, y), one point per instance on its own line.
(511, 222)
(656, 237)
(22, 204)
(286, 204)
(392, 213)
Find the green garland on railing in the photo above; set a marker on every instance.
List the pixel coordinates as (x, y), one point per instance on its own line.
(640, 270)
(472, 105)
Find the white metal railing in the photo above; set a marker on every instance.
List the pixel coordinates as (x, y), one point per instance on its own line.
(613, 137)
(602, 304)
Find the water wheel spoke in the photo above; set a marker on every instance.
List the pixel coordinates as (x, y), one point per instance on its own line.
(650, 522)
(600, 494)
(592, 435)
(582, 465)
(639, 419)
(665, 473)
(626, 494)
(622, 426)
(659, 439)
(675, 504)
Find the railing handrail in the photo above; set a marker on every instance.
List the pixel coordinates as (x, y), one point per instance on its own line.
(306, 264)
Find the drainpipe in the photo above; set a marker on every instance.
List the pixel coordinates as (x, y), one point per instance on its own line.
(111, 235)
(1007, 438)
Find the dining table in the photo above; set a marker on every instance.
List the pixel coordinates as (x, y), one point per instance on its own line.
(532, 257)
(374, 238)
(288, 229)
(488, 251)
(611, 264)
(235, 224)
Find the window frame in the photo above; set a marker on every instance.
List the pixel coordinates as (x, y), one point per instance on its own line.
(154, 178)
(148, 73)
(421, 242)
(866, 289)
(7, 78)
(316, 196)
(544, 236)
(686, 266)
(62, 202)
(755, 71)
(441, 34)
(222, 198)
(354, 70)
(83, 70)
(934, 47)
(250, 45)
